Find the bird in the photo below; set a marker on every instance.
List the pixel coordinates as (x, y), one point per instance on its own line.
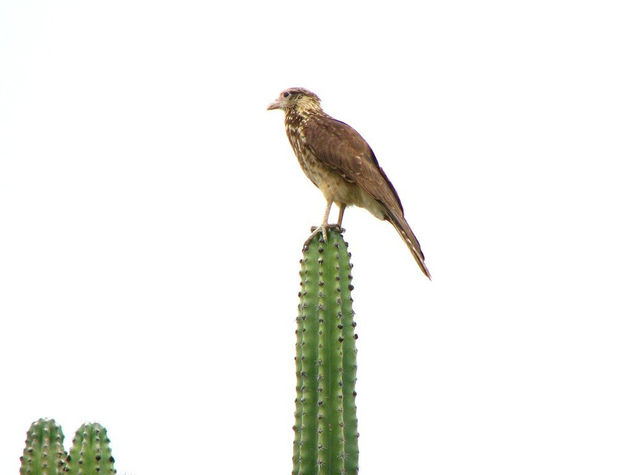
(337, 159)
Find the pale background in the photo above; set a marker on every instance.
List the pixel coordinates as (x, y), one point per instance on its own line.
(152, 215)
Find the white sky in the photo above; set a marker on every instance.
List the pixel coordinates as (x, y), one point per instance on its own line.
(152, 215)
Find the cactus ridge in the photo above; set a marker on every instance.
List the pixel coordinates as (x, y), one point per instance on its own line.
(44, 452)
(326, 437)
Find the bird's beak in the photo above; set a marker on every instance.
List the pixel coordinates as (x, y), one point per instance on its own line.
(275, 105)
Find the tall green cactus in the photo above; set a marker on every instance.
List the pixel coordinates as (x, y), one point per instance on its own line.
(91, 453)
(44, 452)
(326, 427)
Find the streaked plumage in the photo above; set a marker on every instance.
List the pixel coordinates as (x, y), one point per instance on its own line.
(341, 164)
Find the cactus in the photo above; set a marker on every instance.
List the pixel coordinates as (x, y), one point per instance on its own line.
(91, 453)
(44, 452)
(326, 437)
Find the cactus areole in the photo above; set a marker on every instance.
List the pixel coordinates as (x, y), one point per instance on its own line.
(326, 427)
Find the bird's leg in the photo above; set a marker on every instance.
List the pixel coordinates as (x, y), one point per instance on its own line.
(320, 229)
(341, 210)
(326, 217)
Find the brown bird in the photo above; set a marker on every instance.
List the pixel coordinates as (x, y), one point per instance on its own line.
(342, 165)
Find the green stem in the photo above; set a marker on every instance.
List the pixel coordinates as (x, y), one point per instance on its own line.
(325, 417)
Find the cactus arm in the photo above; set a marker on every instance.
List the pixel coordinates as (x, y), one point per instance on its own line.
(44, 452)
(91, 451)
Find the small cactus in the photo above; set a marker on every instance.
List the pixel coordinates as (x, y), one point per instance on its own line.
(44, 452)
(326, 437)
(91, 453)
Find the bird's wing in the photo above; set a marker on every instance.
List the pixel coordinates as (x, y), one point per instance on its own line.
(341, 148)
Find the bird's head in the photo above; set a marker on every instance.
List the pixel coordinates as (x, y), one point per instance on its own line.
(297, 99)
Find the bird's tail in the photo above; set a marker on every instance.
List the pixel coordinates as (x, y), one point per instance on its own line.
(409, 238)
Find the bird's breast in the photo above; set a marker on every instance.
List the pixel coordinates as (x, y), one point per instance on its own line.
(309, 163)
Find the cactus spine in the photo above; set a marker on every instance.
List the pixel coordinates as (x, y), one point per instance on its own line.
(91, 453)
(44, 452)
(326, 437)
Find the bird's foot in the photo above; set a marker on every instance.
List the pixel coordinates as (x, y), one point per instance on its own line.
(323, 229)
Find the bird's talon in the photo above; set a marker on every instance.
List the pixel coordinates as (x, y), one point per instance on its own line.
(314, 230)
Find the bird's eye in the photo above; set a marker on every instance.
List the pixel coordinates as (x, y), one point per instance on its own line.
(286, 94)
